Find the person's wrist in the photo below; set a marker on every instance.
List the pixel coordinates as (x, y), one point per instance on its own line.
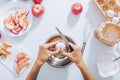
(39, 62)
(80, 63)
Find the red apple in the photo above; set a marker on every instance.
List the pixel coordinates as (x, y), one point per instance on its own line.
(37, 10)
(37, 1)
(76, 8)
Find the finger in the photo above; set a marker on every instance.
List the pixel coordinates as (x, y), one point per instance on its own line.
(66, 54)
(41, 46)
(73, 45)
(49, 44)
(55, 52)
(61, 50)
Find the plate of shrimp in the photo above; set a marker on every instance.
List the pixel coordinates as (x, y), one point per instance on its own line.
(15, 18)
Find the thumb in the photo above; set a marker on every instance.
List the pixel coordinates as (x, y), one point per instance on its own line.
(66, 54)
(55, 52)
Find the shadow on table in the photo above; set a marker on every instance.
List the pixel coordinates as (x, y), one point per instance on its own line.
(94, 14)
(72, 19)
(50, 73)
(36, 22)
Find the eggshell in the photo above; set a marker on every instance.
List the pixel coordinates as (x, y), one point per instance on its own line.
(60, 45)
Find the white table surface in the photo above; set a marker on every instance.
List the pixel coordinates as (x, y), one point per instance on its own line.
(57, 13)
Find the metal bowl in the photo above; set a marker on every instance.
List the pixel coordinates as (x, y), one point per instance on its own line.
(55, 61)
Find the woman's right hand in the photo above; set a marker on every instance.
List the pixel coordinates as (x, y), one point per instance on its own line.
(75, 56)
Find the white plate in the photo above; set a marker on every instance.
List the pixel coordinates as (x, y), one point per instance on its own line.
(106, 66)
(9, 62)
(6, 9)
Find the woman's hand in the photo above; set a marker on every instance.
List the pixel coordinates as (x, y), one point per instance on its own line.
(76, 55)
(44, 53)
(43, 56)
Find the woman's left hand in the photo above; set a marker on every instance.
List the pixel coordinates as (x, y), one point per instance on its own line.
(44, 53)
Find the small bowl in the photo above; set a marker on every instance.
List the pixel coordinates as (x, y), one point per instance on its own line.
(55, 61)
(106, 66)
(102, 33)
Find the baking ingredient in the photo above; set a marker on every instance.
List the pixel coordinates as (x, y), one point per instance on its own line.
(110, 13)
(21, 62)
(115, 20)
(37, 10)
(60, 45)
(77, 8)
(111, 32)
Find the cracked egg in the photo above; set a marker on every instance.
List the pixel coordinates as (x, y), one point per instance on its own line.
(59, 61)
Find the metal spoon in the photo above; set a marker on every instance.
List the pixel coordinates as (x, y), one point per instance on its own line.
(116, 59)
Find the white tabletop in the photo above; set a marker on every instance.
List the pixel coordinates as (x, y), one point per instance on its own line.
(57, 13)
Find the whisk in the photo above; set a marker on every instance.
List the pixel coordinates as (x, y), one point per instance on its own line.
(87, 31)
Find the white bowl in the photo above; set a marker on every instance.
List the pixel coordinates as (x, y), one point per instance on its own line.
(106, 66)
(6, 9)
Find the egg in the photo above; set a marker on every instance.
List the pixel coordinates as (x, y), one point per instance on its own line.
(60, 45)
(110, 13)
(115, 20)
